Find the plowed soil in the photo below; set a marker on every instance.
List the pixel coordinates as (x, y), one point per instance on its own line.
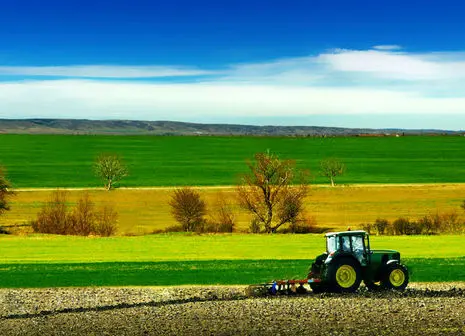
(424, 309)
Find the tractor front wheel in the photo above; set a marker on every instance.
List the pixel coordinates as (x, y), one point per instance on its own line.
(395, 277)
(344, 275)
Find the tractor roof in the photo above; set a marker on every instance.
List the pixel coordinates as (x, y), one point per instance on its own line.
(347, 233)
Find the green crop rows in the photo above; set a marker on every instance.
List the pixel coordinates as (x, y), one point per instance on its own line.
(45, 261)
(66, 161)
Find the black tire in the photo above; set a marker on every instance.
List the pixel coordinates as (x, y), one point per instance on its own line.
(395, 277)
(373, 286)
(344, 275)
(318, 288)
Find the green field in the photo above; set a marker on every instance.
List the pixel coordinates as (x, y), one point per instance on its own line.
(48, 261)
(66, 161)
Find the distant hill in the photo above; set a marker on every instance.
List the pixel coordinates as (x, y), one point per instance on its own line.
(132, 127)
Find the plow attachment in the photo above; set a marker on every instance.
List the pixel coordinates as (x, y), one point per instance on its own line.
(283, 287)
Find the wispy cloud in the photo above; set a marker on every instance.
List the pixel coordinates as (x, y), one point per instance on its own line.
(344, 67)
(387, 47)
(379, 81)
(395, 65)
(144, 100)
(103, 71)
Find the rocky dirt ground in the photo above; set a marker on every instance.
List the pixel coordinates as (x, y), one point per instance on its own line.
(424, 309)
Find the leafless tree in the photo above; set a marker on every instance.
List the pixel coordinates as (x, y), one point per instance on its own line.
(222, 218)
(331, 168)
(188, 208)
(5, 191)
(106, 221)
(55, 217)
(267, 191)
(82, 218)
(110, 169)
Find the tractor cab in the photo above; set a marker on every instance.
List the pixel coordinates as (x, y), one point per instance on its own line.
(355, 243)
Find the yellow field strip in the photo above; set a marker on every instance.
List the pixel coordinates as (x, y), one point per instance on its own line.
(142, 210)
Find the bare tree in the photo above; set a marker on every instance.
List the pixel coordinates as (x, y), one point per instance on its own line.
(106, 221)
(188, 208)
(82, 218)
(110, 169)
(56, 217)
(331, 168)
(5, 191)
(222, 218)
(267, 191)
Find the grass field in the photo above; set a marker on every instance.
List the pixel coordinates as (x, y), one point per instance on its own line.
(143, 211)
(53, 161)
(66, 161)
(48, 261)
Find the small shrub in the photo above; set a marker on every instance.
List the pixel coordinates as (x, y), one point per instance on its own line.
(201, 226)
(429, 225)
(157, 231)
(400, 226)
(223, 218)
(227, 227)
(367, 227)
(82, 218)
(188, 209)
(106, 221)
(53, 217)
(449, 222)
(174, 228)
(302, 226)
(381, 225)
(254, 226)
(414, 228)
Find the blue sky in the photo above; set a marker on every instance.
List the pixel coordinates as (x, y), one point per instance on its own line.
(326, 63)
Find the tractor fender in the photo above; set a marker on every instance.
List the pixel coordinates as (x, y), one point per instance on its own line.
(393, 261)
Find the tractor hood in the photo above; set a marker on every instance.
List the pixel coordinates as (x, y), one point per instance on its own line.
(385, 254)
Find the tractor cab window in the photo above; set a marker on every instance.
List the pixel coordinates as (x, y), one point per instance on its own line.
(331, 243)
(358, 248)
(346, 244)
(357, 244)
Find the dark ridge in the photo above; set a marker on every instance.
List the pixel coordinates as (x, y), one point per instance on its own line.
(139, 127)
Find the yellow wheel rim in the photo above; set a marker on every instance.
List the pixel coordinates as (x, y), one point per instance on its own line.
(346, 276)
(397, 277)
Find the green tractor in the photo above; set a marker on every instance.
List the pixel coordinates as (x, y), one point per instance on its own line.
(348, 260)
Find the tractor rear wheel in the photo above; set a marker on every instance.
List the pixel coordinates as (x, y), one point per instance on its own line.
(344, 275)
(395, 277)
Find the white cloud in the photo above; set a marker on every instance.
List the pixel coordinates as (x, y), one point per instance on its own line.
(387, 47)
(341, 82)
(344, 67)
(102, 71)
(93, 99)
(395, 65)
